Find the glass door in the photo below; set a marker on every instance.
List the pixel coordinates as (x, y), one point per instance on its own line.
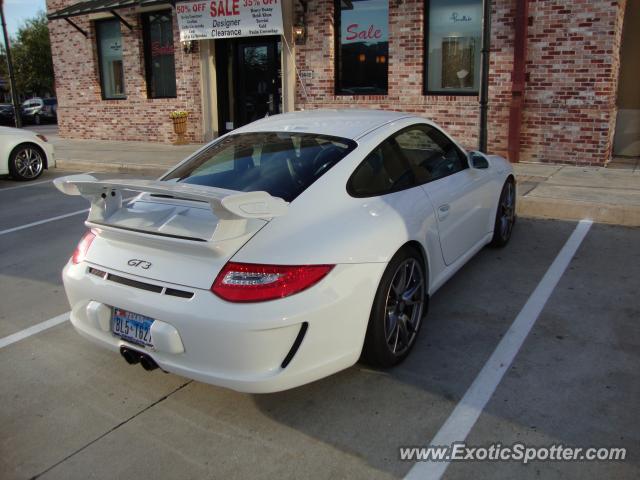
(249, 80)
(258, 81)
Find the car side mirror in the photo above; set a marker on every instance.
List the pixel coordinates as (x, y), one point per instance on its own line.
(478, 160)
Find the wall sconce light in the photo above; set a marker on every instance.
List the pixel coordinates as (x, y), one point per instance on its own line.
(299, 34)
(188, 46)
(362, 57)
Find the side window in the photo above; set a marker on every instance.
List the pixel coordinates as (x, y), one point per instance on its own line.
(430, 153)
(111, 67)
(385, 170)
(159, 60)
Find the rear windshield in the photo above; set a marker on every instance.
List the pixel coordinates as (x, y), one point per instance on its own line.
(283, 164)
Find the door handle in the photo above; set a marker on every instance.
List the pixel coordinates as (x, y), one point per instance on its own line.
(443, 211)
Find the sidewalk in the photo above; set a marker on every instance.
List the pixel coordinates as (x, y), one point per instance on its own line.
(606, 195)
(122, 157)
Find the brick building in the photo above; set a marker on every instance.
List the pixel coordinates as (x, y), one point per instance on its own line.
(561, 82)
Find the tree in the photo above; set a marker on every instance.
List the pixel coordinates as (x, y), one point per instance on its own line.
(3, 62)
(4, 77)
(31, 52)
(3, 57)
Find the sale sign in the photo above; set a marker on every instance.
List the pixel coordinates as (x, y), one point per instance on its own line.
(199, 20)
(366, 21)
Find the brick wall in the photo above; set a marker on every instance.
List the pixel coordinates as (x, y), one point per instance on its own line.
(81, 111)
(573, 54)
(406, 24)
(572, 62)
(569, 109)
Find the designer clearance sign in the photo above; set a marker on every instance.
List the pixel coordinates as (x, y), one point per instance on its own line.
(201, 20)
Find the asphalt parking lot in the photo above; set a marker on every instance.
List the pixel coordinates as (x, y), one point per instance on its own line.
(69, 410)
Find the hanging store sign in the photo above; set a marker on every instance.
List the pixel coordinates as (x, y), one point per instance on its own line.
(200, 20)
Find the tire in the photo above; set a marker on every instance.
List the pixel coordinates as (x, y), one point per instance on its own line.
(26, 162)
(505, 215)
(394, 323)
(36, 119)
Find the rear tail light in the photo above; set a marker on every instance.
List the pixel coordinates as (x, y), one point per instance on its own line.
(249, 282)
(80, 253)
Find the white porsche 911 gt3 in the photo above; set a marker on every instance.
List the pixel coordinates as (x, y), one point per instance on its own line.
(285, 250)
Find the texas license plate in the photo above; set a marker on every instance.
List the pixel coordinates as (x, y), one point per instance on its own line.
(132, 327)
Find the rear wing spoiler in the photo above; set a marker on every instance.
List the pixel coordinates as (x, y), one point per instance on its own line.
(232, 208)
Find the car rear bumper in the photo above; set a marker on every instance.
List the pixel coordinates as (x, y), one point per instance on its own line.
(239, 346)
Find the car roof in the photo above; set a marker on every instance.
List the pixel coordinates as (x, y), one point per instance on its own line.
(346, 123)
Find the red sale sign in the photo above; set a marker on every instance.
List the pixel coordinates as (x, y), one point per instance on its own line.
(225, 8)
(367, 22)
(355, 31)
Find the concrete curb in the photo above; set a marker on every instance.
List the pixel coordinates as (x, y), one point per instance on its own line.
(80, 165)
(536, 207)
(552, 208)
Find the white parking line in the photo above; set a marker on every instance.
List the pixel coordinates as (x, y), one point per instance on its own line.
(466, 413)
(27, 332)
(32, 184)
(47, 220)
(40, 222)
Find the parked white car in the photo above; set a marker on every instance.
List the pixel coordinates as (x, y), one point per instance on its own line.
(24, 154)
(286, 250)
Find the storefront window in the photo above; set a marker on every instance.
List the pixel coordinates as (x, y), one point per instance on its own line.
(362, 47)
(159, 54)
(454, 31)
(109, 42)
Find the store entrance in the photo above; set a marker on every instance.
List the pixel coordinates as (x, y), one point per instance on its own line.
(249, 80)
(626, 142)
